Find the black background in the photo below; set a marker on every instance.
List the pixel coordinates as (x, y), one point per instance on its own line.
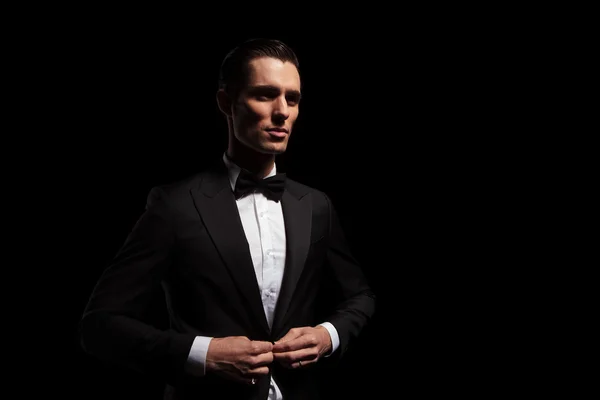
(410, 134)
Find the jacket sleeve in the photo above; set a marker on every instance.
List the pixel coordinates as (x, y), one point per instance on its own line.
(114, 327)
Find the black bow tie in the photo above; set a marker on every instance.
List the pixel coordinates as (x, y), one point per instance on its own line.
(271, 187)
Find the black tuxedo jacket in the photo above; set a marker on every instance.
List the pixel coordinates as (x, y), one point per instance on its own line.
(190, 243)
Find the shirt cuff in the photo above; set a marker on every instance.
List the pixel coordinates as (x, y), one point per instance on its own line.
(335, 339)
(196, 361)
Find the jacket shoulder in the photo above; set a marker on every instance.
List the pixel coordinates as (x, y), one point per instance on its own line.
(174, 191)
(300, 190)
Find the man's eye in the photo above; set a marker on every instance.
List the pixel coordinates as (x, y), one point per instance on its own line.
(292, 101)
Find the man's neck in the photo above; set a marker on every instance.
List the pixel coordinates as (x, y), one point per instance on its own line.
(257, 163)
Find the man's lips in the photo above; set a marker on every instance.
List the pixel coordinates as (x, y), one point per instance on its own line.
(278, 132)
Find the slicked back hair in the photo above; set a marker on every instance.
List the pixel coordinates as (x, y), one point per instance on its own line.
(234, 68)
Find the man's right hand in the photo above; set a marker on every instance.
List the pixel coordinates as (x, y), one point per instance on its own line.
(239, 358)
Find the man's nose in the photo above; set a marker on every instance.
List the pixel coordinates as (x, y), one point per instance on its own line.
(281, 109)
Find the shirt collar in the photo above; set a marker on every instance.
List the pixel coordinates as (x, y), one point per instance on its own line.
(234, 170)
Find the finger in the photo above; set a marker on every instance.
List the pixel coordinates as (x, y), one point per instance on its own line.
(262, 359)
(260, 347)
(292, 334)
(302, 363)
(291, 358)
(287, 356)
(299, 363)
(257, 372)
(298, 343)
(286, 345)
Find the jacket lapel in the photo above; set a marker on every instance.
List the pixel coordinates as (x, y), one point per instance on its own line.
(297, 214)
(217, 207)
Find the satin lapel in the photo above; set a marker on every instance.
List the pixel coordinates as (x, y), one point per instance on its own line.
(297, 214)
(217, 207)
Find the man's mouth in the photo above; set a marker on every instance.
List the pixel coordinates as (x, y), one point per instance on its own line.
(278, 132)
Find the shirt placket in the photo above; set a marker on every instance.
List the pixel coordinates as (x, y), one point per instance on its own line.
(266, 240)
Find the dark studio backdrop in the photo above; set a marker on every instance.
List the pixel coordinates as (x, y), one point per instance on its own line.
(387, 129)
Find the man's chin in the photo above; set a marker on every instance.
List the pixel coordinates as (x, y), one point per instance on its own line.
(274, 150)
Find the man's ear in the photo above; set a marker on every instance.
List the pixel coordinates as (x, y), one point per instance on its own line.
(224, 102)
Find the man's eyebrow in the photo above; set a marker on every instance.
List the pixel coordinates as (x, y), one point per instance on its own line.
(275, 89)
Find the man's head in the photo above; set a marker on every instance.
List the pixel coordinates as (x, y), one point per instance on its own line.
(259, 92)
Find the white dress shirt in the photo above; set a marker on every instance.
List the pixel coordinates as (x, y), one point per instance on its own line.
(264, 227)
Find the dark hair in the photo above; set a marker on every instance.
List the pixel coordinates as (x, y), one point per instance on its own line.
(234, 68)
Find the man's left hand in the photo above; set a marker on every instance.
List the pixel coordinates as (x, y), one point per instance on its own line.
(302, 346)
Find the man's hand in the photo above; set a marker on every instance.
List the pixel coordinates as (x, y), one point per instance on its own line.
(301, 347)
(239, 358)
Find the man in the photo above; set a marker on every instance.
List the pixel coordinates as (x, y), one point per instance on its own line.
(261, 288)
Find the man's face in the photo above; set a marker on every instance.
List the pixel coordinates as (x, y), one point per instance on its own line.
(267, 107)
